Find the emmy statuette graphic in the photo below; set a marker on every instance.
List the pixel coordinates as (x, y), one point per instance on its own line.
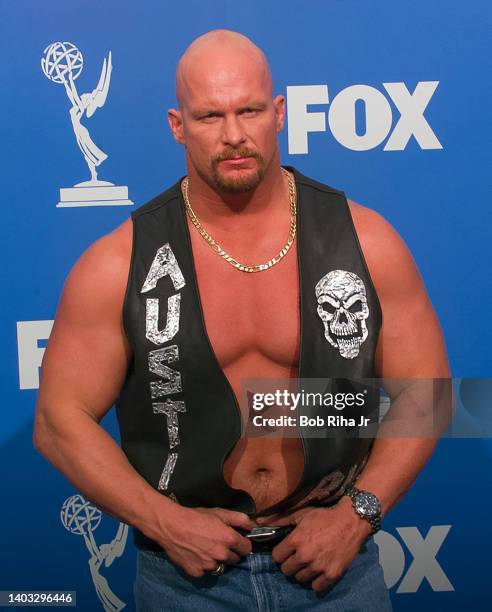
(80, 517)
(62, 63)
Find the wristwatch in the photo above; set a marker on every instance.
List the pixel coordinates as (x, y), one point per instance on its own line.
(366, 505)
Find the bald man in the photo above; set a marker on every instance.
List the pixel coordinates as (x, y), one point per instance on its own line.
(243, 269)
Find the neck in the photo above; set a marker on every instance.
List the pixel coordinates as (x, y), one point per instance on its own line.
(220, 209)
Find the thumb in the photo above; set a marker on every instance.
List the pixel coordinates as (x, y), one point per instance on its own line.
(236, 519)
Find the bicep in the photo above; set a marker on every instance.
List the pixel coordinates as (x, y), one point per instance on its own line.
(87, 356)
(411, 343)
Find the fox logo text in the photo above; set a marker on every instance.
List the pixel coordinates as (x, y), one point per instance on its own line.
(30, 353)
(362, 104)
(424, 563)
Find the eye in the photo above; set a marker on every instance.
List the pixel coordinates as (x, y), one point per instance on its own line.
(249, 112)
(355, 307)
(328, 307)
(209, 117)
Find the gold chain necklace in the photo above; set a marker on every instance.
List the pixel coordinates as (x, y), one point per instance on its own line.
(244, 268)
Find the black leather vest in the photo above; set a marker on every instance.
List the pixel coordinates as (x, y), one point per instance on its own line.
(178, 415)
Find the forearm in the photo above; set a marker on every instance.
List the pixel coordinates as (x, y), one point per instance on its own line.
(393, 467)
(97, 467)
(406, 439)
(390, 471)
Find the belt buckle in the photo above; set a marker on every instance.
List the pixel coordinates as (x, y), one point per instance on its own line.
(261, 533)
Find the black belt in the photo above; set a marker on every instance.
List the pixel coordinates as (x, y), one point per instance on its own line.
(264, 539)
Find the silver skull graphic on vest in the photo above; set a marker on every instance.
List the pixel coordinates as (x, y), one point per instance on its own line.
(342, 306)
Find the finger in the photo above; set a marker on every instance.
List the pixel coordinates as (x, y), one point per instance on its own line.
(285, 549)
(232, 558)
(211, 565)
(235, 519)
(306, 574)
(267, 520)
(223, 555)
(320, 583)
(241, 545)
(292, 565)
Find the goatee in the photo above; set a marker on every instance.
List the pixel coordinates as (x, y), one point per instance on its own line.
(238, 184)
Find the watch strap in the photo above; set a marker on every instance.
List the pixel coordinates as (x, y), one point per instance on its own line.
(374, 521)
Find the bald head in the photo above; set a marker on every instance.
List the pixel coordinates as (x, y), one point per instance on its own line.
(216, 56)
(227, 120)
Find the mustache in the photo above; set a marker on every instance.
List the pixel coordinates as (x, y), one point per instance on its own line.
(232, 153)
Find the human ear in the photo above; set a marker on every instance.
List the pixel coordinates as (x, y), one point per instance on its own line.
(175, 121)
(279, 105)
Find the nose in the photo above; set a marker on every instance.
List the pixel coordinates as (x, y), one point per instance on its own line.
(342, 317)
(233, 132)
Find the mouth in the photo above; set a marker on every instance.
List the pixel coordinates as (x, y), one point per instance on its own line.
(348, 343)
(237, 161)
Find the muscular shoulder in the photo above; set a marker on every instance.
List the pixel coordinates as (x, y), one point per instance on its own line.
(87, 336)
(411, 342)
(99, 277)
(388, 258)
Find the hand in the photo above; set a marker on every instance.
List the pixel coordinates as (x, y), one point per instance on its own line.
(323, 543)
(198, 539)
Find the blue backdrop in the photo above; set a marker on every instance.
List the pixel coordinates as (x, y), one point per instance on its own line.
(402, 124)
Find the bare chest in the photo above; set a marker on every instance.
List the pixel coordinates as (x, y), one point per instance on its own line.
(252, 321)
(249, 314)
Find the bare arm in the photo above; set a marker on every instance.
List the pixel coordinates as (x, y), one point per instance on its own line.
(83, 370)
(411, 348)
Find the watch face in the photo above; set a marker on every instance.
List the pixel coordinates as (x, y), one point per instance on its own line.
(367, 504)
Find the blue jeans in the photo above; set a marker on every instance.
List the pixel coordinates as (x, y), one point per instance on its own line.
(257, 584)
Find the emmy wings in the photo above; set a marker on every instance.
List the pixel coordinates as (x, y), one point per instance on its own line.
(97, 98)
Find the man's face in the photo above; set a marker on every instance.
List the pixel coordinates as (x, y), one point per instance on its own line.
(229, 124)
